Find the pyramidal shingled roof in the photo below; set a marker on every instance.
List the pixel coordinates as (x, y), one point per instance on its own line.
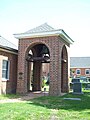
(7, 44)
(42, 28)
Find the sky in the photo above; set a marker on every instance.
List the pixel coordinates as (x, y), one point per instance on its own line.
(73, 16)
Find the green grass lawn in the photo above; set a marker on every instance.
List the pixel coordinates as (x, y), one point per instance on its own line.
(9, 96)
(48, 108)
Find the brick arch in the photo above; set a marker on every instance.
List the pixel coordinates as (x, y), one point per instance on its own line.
(37, 68)
(33, 44)
(64, 69)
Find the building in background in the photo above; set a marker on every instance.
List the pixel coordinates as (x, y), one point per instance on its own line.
(80, 67)
(8, 66)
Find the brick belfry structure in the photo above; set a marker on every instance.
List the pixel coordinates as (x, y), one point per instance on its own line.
(43, 44)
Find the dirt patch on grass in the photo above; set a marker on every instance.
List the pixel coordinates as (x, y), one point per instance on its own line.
(25, 97)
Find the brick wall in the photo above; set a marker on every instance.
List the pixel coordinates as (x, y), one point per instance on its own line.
(9, 86)
(55, 45)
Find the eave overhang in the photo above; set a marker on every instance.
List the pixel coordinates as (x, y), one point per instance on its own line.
(59, 32)
(9, 50)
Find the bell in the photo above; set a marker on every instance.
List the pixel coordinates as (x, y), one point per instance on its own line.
(44, 50)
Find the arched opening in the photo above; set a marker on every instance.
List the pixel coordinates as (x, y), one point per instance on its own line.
(37, 60)
(64, 70)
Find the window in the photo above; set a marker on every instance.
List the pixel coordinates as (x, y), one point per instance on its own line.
(78, 71)
(5, 69)
(87, 71)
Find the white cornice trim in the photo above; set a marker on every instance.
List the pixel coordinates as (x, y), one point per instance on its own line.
(81, 67)
(43, 34)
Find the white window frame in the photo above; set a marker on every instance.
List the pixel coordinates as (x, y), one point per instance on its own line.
(77, 70)
(86, 70)
(7, 72)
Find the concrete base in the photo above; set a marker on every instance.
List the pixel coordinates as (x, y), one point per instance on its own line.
(71, 98)
(78, 93)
